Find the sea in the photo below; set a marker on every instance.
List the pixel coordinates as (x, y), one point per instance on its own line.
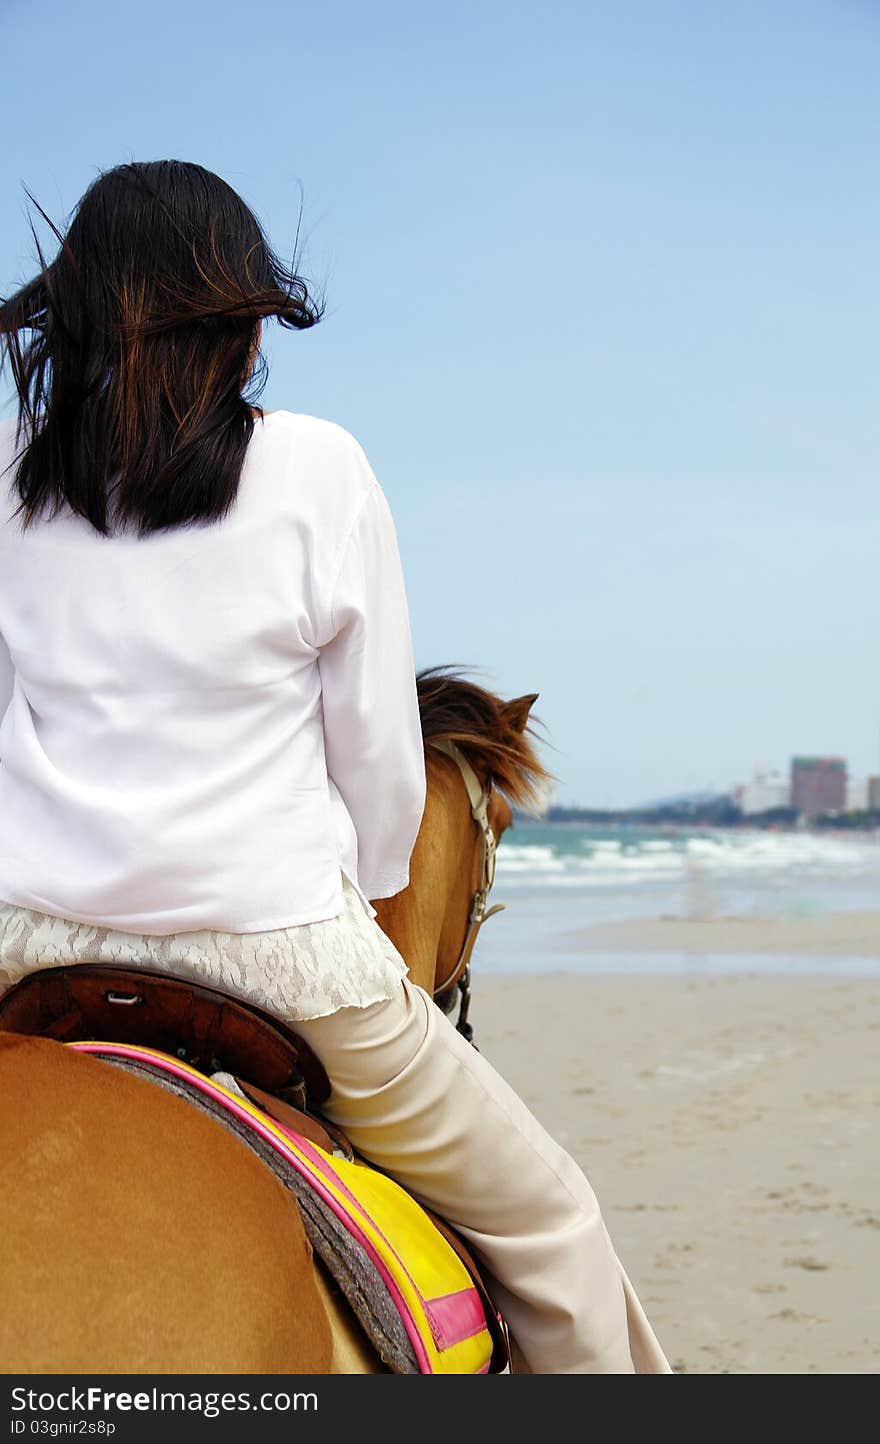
(557, 879)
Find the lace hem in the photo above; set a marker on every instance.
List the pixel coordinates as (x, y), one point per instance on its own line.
(301, 972)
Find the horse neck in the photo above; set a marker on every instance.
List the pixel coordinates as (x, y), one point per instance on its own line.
(427, 921)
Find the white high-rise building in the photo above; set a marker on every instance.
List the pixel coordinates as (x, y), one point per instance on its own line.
(857, 794)
(767, 789)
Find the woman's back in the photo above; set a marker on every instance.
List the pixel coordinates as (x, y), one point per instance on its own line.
(162, 759)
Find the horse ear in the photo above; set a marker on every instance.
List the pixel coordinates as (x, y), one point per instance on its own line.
(516, 713)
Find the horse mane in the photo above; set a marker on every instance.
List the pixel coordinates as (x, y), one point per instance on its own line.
(494, 735)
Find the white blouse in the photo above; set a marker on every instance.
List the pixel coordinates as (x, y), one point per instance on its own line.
(211, 728)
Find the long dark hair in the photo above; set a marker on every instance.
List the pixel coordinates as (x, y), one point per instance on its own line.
(132, 384)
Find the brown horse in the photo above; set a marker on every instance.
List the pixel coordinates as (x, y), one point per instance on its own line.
(141, 1237)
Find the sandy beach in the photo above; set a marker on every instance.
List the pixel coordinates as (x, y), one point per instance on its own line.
(728, 1127)
(854, 934)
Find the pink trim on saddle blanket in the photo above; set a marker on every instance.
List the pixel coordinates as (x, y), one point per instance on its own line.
(452, 1318)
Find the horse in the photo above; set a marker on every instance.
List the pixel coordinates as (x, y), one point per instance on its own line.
(138, 1235)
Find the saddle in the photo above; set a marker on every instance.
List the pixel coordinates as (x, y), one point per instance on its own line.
(259, 1076)
(196, 1022)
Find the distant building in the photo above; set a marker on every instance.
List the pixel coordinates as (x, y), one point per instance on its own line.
(818, 784)
(857, 794)
(767, 790)
(874, 794)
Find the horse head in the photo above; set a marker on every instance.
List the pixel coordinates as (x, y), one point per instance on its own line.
(479, 759)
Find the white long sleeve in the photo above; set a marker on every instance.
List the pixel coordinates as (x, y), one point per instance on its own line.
(372, 732)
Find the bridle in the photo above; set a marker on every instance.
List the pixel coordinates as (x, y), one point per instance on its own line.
(459, 979)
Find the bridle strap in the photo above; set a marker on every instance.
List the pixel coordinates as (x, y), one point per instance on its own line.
(478, 797)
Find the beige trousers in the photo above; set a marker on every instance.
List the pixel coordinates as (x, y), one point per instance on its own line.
(422, 1104)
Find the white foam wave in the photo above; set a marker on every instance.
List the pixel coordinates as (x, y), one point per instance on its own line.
(608, 862)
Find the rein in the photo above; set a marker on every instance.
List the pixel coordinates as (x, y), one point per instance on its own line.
(459, 979)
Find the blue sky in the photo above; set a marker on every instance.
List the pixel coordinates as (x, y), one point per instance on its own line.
(602, 307)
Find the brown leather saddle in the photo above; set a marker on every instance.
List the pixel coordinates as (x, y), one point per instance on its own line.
(198, 1023)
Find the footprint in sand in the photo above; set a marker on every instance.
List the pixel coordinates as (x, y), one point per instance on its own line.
(814, 1265)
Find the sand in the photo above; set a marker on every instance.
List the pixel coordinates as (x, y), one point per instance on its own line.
(728, 1126)
(830, 934)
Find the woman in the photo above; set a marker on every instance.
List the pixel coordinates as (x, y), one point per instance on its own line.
(210, 752)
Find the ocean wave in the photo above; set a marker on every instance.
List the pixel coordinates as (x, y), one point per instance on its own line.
(586, 861)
